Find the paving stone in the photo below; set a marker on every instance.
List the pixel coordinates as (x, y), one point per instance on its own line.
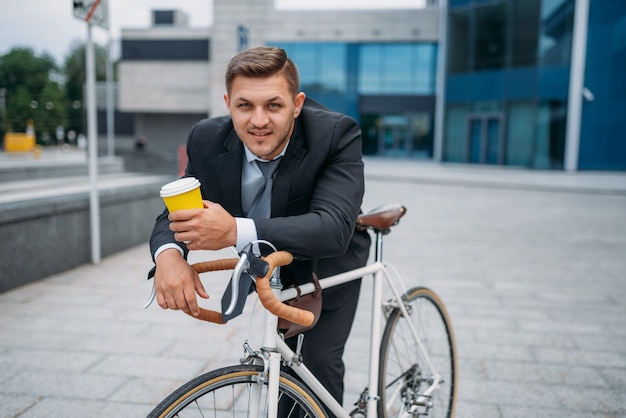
(65, 384)
(79, 408)
(529, 264)
(49, 360)
(601, 402)
(14, 405)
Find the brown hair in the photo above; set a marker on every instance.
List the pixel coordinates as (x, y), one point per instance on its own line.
(263, 61)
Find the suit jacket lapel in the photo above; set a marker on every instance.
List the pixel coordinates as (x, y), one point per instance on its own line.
(287, 171)
(229, 166)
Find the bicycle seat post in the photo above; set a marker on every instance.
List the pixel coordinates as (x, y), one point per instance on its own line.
(379, 246)
(380, 221)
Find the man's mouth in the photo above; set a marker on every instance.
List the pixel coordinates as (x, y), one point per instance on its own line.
(260, 134)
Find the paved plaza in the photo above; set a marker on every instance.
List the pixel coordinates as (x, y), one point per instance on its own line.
(531, 265)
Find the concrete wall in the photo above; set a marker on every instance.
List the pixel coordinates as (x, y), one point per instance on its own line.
(161, 85)
(50, 235)
(164, 87)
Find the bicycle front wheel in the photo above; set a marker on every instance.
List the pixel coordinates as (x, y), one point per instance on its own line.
(405, 374)
(229, 392)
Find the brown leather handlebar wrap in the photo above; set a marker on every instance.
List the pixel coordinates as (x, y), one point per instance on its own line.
(266, 295)
(213, 265)
(267, 298)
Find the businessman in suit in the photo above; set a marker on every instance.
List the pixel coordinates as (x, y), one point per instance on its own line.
(316, 196)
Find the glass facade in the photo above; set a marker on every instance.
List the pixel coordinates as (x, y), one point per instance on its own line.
(603, 131)
(507, 82)
(507, 78)
(397, 69)
(388, 87)
(322, 66)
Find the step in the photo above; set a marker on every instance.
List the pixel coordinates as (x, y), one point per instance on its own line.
(29, 166)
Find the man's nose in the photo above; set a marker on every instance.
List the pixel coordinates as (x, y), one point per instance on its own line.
(259, 117)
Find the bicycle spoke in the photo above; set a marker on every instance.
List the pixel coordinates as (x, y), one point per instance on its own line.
(234, 392)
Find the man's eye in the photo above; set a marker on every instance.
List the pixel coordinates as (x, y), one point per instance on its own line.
(244, 105)
(274, 105)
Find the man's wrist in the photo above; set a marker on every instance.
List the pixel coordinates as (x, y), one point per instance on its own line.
(169, 246)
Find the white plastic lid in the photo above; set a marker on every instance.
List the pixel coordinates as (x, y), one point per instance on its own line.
(179, 186)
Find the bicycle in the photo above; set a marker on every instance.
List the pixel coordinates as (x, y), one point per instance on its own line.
(413, 370)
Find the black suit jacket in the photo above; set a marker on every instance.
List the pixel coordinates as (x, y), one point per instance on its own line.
(316, 197)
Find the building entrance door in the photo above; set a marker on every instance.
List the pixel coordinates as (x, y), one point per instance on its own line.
(409, 135)
(485, 143)
(394, 136)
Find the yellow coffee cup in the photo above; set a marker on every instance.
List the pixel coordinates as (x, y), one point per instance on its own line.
(182, 194)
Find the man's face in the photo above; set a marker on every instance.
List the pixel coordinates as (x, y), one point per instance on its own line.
(263, 112)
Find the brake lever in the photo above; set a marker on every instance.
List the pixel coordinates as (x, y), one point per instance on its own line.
(242, 265)
(248, 264)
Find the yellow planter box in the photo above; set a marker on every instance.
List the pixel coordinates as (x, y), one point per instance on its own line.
(18, 142)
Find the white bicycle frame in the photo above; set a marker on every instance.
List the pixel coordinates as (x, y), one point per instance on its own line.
(276, 348)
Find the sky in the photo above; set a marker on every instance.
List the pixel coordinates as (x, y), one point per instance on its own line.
(50, 25)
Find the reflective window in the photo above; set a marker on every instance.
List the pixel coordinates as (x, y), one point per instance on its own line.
(383, 68)
(322, 66)
(406, 134)
(370, 72)
(508, 34)
(459, 41)
(490, 36)
(400, 68)
(525, 23)
(557, 20)
(332, 66)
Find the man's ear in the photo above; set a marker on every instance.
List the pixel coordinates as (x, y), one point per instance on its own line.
(227, 101)
(298, 103)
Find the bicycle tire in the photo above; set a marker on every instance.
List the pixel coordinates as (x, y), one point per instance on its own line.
(224, 392)
(403, 375)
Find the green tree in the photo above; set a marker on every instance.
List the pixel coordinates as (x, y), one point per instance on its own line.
(50, 113)
(75, 79)
(33, 91)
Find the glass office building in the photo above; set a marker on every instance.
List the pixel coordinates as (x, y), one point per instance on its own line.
(388, 87)
(525, 83)
(507, 100)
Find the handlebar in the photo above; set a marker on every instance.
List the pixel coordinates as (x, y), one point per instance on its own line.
(265, 293)
(380, 220)
(269, 300)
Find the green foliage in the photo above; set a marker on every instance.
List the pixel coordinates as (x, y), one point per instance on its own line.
(37, 89)
(32, 92)
(75, 79)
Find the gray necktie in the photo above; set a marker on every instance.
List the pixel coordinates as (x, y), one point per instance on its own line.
(261, 206)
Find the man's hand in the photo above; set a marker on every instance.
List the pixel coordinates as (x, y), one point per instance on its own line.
(176, 283)
(211, 228)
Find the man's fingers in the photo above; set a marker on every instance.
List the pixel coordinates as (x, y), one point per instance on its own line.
(162, 301)
(191, 303)
(200, 288)
(183, 215)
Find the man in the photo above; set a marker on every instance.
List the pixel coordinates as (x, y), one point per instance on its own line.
(316, 196)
